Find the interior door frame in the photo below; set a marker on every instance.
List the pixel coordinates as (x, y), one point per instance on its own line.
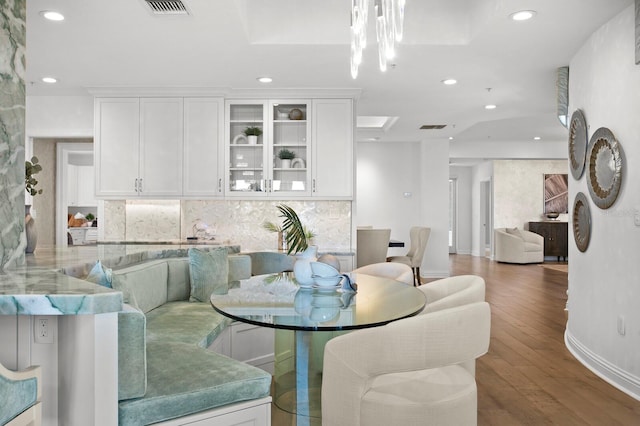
(453, 214)
(486, 218)
(63, 150)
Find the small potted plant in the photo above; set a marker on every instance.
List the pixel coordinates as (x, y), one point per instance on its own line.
(252, 134)
(285, 157)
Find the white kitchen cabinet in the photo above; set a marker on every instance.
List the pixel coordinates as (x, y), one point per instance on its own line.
(203, 147)
(139, 147)
(332, 124)
(255, 168)
(117, 147)
(161, 145)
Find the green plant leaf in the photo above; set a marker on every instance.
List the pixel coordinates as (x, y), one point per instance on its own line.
(295, 234)
(271, 227)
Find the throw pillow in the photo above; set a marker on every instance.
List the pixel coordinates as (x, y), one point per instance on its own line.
(100, 275)
(208, 273)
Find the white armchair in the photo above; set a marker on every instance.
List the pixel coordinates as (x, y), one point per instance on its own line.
(513, 245)
(407, 372)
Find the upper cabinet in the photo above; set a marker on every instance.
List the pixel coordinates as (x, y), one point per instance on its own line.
(332, 124)
(206, 147)
(268, 149)
(158, 147)
(117, 147)
(203, 148)
(161, 136)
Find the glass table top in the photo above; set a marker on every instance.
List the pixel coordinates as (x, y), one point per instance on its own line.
(278, 301)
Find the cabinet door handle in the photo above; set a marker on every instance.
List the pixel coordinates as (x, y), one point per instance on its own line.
(219, 184)
(136, 185)
(140, 184)
(313, 185)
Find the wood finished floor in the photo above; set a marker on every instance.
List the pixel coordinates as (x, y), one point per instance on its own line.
(528, 377)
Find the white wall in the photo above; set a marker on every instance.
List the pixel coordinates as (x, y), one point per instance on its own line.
(603, 281)
(518, 191)
(59, 116)
(385, 172)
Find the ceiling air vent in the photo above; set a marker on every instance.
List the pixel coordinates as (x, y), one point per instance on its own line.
(167, 7)
(432, 126)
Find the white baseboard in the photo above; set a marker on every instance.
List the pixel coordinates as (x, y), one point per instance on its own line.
(435, 274)
(608, 372)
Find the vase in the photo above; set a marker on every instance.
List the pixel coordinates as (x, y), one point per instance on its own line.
(302, 267)
(253, 139)
(285, 163)
(30, 230)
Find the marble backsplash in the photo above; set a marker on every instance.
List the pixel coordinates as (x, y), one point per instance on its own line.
(228, 221)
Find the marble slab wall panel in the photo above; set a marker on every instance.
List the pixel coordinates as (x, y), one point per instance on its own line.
(152, 220)
(114, 220)
(240, 222)
(12, 123)
(228, 222)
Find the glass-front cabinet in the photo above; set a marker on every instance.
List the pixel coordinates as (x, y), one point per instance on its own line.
(268, 148)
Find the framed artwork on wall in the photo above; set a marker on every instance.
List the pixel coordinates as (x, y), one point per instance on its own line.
(556, 193)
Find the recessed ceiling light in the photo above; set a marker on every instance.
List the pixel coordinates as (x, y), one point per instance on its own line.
(265, 79)
(536, 138)
(450, 138)
(49, 80)
(52, 15)
(523, 15)
(490, 106)
(449, 81)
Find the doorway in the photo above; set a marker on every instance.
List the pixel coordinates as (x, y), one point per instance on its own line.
(486, 219)
(74, 185)
(453, 215)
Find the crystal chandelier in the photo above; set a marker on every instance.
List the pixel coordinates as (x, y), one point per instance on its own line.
(389, 15)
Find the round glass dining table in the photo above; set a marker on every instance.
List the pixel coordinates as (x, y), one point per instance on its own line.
(306, 318)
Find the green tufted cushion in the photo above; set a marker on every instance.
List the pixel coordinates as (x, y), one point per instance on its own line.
(209, 272)
(132, 353)
(186, 322)
(185, 379)
(146, 283)
(15, 397)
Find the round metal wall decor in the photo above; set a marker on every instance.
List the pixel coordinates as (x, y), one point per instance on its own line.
(605, 165)
(581, 222)
(577, 143)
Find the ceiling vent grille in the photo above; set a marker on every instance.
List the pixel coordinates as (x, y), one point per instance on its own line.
(432, 126)
(167, 7)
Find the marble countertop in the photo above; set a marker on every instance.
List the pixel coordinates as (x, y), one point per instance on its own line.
(49, 283)
(39, 287)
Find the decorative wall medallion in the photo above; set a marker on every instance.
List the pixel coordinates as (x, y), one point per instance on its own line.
(577, 143)
(605, 168)
(581, 222)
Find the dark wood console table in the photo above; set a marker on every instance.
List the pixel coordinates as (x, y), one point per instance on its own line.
(556, 236)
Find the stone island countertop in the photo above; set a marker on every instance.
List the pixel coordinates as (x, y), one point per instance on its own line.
(39, 287)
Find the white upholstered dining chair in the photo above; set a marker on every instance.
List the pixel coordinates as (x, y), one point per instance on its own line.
(419, 237)
(395, 271)
(453, 291)
(372, 245)
(408, 372)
